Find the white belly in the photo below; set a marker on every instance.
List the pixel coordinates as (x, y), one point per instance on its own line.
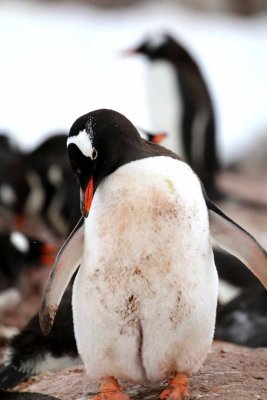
(144, 299)
(165, 103)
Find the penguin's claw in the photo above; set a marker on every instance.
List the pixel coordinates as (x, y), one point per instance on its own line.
(177, 388)
(110, 390)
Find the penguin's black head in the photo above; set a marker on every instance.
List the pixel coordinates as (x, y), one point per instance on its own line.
(154, 47)
(159, 47)
(98, 143)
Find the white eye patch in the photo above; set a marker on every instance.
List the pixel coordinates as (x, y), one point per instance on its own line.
(83, 142)
(156, 41)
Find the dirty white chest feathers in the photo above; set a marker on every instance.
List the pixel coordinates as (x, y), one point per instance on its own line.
(145, 296)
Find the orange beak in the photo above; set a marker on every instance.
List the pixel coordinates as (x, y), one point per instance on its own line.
(87, 198)
(128, 53)
(158, 138)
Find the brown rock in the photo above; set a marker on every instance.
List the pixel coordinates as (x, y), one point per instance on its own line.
(229, 373)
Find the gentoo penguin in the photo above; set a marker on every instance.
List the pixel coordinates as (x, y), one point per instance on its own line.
(145, 295)
(58, 199)
(244, 319)
(30, 352)
(40, 182)
(181, 79)
(11, 165)
(8, 151)
(18, 253)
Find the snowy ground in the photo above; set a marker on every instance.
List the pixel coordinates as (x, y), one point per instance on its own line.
(60, 61)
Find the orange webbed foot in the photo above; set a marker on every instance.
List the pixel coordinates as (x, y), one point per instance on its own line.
(177, 388)
(110, 390)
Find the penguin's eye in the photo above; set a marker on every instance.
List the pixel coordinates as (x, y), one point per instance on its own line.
(94, 154)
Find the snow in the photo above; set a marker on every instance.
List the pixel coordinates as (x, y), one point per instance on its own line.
(62, 60)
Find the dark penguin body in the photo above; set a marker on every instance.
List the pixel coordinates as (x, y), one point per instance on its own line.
(12, 164)
(19, 252)
(244, 319)
(30, 352)
(41, 183)
(8, 151)
(198, 142)
(60, 203)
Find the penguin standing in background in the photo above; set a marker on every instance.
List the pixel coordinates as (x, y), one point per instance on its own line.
(48, 167)
(19, 252)
(8, 151)
(145, 295)
(41, 183)
(11, 167)
(197, 129)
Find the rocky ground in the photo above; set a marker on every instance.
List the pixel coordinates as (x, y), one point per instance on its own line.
(229, 373)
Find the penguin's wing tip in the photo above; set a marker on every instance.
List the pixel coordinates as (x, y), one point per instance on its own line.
(238, 242)
(47, 315)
